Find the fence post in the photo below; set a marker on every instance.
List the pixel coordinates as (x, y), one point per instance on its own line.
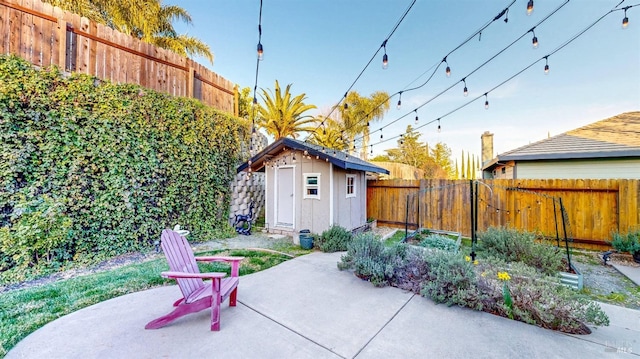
(62, 44)
(236, 100)
(190, 74)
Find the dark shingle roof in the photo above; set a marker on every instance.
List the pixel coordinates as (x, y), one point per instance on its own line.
(617, 136)
(338, 158)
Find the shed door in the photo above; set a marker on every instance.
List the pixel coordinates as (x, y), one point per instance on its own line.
(285, 197)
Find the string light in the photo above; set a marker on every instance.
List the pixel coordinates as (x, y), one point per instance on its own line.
(399, 101)
(465, 92)
(385, 58)
(529, 7)
(447, 71)
(260, 52)
(380, 135)
(534, 41)
(346, 106)
(625, 21)
(416, 111)
(506, 17)
(439, 128)
(546, 65)
(486, 101)
(371, 149)
(401, 139)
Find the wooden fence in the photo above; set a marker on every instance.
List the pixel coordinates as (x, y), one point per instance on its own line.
(594, 208)
(46, 35)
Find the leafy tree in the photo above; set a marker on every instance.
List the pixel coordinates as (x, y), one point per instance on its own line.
(148, 20)
(359, 113)
(282, 116)
(441, 155)
(245, 103)
(410, 150)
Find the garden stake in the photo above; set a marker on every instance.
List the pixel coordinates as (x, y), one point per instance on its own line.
(555, 218)
(473, 232)
(566, 241)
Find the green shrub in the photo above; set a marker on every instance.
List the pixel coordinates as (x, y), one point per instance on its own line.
(119, 162)
(334, 239)
(439, 242)
(39, 233)
(369, 258)
(512, 245)
(629, 242)
(451, 280)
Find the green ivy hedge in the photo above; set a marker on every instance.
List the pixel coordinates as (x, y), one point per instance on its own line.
(91, 169)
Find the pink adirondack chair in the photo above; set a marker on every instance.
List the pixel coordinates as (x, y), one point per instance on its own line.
(197, 295)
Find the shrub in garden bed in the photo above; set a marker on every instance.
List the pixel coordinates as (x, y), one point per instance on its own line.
(513, 290)
(334, 239)
(512, 245)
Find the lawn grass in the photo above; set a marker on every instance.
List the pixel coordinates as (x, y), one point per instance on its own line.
(24, 311)
(395, 238)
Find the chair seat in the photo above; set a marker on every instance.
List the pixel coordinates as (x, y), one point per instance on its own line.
(227, 285)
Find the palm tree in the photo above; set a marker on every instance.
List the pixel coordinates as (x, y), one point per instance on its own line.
(360, 112)
(329, 134)
(281, 115)
(148, 20)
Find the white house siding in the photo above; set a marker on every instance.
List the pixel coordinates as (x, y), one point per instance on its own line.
(585, 169)
(349, 212)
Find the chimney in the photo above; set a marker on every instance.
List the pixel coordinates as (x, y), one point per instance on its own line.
(486, 147)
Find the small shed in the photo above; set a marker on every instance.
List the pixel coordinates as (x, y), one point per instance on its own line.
(311, 187)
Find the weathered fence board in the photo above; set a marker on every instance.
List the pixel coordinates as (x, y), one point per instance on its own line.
(595, 208)
(46, 35)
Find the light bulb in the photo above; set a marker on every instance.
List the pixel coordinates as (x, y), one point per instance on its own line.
(535, 42)
(448, 71)
(486, 104)
(399, 104)
(416, 119)
(546, 69)
(385, 61)
(346, 106)
(439, 128)
(260, 52)
(625, 22)
(466, 92)
(529, 7)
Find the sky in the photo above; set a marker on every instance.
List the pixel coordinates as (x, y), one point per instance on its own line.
(321, 46)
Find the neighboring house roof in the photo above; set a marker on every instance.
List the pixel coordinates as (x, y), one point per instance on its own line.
(618, 136)
(337, 158)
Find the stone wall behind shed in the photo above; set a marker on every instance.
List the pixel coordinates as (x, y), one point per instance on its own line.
(245, 189)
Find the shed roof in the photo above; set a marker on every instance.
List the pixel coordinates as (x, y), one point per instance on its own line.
(338, 158)
(618, 136)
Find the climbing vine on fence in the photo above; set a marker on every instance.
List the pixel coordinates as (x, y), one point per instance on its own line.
(91, 169)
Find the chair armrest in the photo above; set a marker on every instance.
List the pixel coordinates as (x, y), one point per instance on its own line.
(218, 259)
(175, 275)
(235, 262)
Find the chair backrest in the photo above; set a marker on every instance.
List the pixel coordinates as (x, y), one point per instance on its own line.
(181, 259)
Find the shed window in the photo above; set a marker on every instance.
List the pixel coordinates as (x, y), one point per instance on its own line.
(504, 170)
(351, 186)
(312, 185)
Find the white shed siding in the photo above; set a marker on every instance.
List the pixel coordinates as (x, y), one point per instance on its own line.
(349, 212)
(586, 169)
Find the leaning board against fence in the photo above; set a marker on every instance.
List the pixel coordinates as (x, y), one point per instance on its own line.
(593, 208)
